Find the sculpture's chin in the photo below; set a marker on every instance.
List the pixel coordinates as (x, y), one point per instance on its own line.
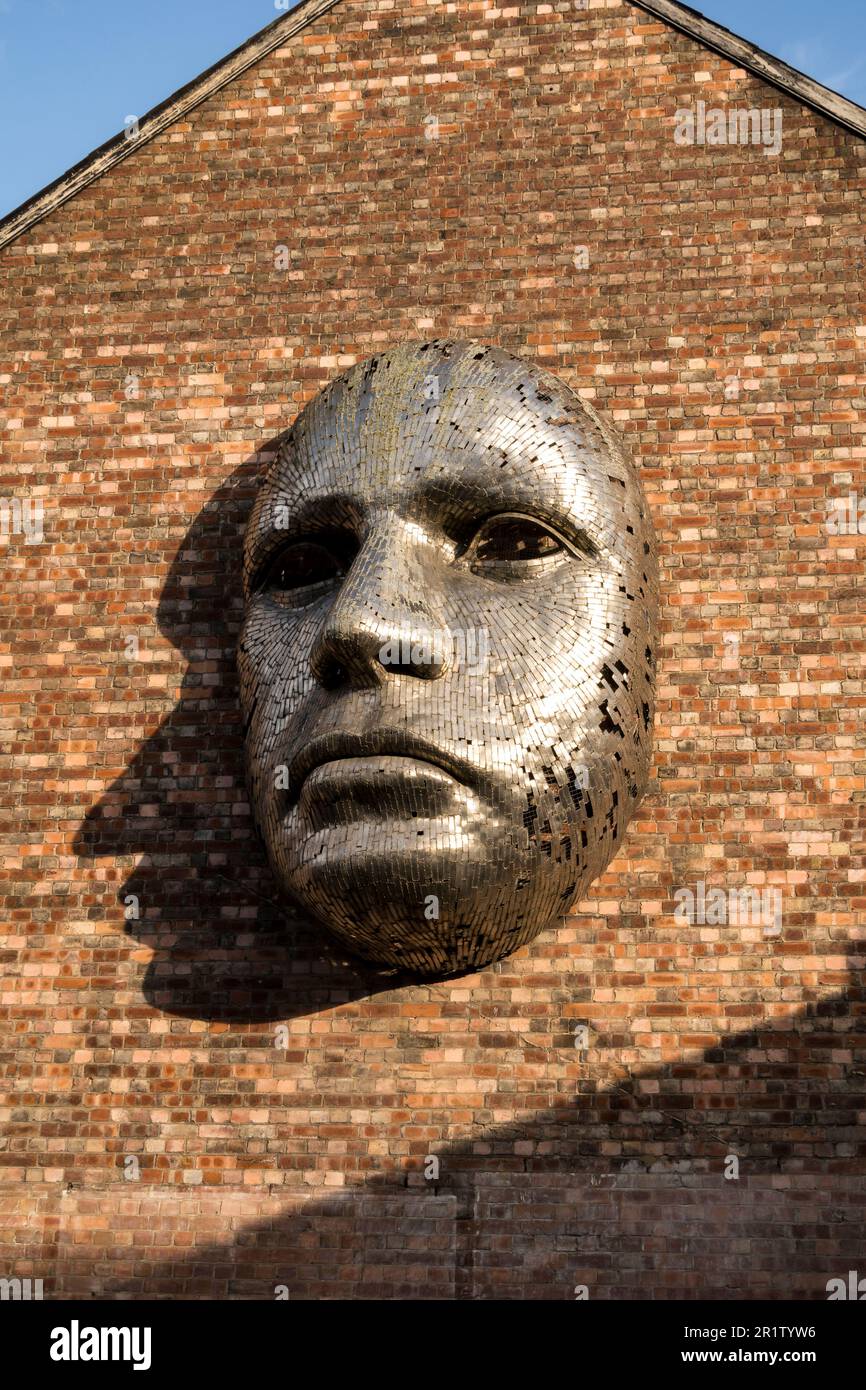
(432, 947)
(431, 912)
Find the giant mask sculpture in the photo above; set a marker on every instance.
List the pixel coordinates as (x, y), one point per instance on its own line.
(447, 656)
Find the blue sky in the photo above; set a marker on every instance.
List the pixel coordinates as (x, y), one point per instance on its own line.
(71, 71)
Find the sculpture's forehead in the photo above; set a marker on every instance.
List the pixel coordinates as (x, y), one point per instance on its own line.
(486, 430)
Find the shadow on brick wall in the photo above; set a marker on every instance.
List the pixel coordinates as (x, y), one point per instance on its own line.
(626, 1189)
(226, 948)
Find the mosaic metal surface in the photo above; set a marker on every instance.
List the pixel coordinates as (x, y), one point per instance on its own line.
(447, 659)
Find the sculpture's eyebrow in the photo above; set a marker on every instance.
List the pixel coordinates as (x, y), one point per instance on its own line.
(464, 498)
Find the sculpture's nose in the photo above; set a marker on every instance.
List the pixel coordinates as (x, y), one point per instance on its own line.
(387, 616)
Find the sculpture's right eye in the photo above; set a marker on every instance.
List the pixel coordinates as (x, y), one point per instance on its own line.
(301, 573)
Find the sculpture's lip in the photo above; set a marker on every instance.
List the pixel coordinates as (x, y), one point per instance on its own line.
(328, 748)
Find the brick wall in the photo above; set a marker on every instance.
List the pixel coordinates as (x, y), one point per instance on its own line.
(401, 171)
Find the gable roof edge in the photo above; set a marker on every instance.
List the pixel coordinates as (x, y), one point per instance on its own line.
(172, 109)
(775, 71)
(743, 54)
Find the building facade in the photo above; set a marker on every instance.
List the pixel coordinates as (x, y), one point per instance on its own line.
(665, 1096)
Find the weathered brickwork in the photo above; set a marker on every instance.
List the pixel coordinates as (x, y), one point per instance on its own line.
(400, 171)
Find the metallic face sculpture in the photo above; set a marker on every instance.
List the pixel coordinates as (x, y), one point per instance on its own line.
(447, 657)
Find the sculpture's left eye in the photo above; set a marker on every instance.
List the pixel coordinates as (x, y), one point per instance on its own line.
(301, 573)
(515, 538)
(510, 546)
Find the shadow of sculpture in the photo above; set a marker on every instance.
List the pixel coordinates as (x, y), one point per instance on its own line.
(201, 895)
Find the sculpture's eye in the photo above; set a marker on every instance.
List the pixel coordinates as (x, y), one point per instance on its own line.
(301, 573)
(514, 547)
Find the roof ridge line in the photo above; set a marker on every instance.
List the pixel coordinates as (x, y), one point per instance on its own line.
(155, 121)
